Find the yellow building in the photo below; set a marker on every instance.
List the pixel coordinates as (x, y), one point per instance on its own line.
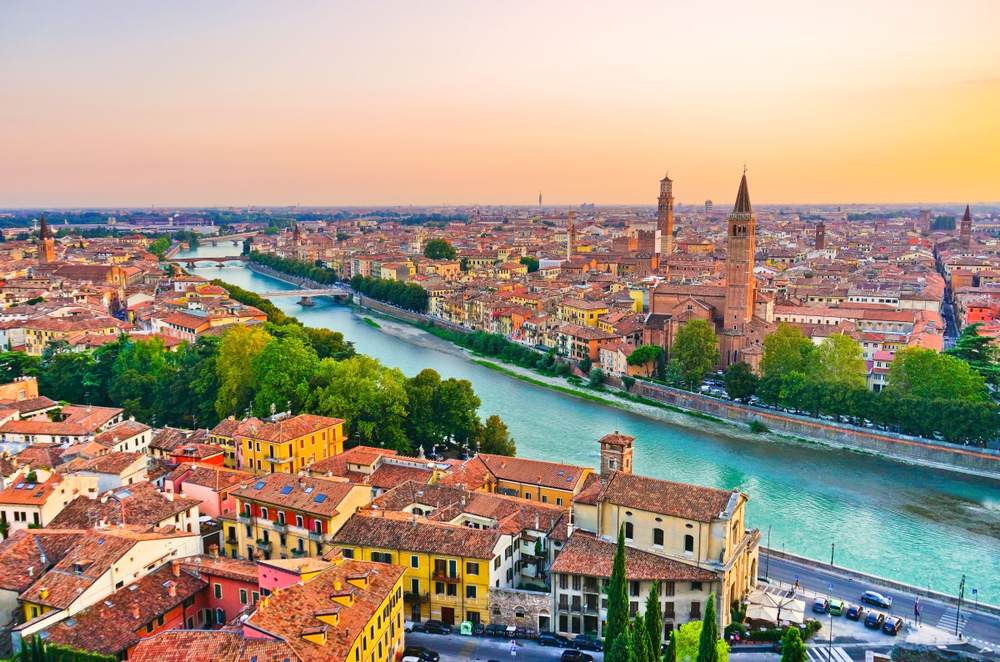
(545, 482)
(352, 612)
(581, 311)
(289, 445)
(40, 331)
(284, 515)
(449, 568)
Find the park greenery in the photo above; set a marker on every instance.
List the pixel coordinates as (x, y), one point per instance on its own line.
(439, 249)
(926, 393)
(531, 262)
(409, 296)
(298, 268)
(496, 345)
(696, 350)
(647, 356)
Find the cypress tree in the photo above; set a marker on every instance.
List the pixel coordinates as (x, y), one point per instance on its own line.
(707, 650)
(671, 653)
(792, 648)
(621, 650)
(640, 641)
(653, 620)
(617, 597)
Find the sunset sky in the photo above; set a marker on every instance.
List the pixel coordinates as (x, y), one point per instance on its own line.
(385, 103)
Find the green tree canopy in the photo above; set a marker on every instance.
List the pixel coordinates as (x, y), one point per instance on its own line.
(786, 350)
(280, 375)
(708, 650)
(841, 363)
(439, 249)
(926, 374)
(740, 381)
(531, 262)
(793, 649)
(617, 620)
(653, 620)
(239, 347)
(493, 438)
(687, 639)
(980, 352)
(696, 349)
(646, 355)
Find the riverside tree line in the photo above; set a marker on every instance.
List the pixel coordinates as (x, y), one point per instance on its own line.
(249, 369)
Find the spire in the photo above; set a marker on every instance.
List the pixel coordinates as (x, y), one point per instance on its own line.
(743, 198)
(966, 218)
(43, 232)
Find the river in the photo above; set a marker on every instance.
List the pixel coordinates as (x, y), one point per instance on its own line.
(909, 523)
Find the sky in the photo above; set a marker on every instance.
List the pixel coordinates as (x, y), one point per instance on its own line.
(135, 104)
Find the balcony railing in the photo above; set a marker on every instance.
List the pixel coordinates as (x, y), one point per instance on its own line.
(417, 597)
(264, 545)
(298, 553)
(446, 578)
(280, 527)
(315, 537)
(243, 517)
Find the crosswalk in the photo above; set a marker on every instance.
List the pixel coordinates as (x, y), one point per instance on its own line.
(823, 654)
(947, 621)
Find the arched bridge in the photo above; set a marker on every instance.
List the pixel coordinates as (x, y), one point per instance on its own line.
(325, 292)
(220, 260)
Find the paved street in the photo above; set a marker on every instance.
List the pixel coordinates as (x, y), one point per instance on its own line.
(456, 648)
(983, 631)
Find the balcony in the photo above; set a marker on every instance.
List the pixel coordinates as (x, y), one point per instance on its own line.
(417, 597)
(279, 527)
(232, 541)
(243, 517)
(264, 545)
(446, 578)
(563, 607)
(298, 553)
(315, 537)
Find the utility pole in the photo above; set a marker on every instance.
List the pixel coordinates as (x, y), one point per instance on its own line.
(958, 614)
(833, 547)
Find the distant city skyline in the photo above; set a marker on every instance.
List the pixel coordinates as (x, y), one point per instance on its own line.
(384, 104)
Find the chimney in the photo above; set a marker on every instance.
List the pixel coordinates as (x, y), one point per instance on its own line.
(135, 612)
(169, 495)
(31, 571)
(172, 589)
(43, 593)
(175, 568)
(104, 498)
(213, 551)
(336, 584)
(503, 463)
(302, 483)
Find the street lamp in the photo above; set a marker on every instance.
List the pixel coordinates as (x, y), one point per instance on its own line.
(829, 649)
(767, 568)
(833, 547)
(958, 613)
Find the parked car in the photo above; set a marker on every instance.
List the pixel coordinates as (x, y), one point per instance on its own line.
(821, 605)
(477, 629)
(892, 625)
(493, 630)
(854, 612)
(875, 620)
(571, 655)
(837, 607)
(421, 654)
(552, 639)
(436, 627)
(583, 642)
(877, 599)
(413, 627)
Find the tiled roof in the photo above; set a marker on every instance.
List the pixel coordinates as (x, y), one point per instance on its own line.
(301, 493)
(337, 464)
(41, 456)
(210, 646)
(388, 476)
(196, 451)
(293, 611)
(24, 493)
(585, 555)
(209, 475)
(112, 463)
(534, 472)
(36, 549)
(370, 529)
(122, 431)
(291, 428)
(139, 503)
(693, 502)
(222, 566)
(617, 439)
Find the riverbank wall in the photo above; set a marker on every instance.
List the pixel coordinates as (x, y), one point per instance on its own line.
(874, 580)
(277, 275)
(405, 315)
(984, 462)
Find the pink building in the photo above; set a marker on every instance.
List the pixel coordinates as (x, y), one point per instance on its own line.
(278, 573)
(210, 483)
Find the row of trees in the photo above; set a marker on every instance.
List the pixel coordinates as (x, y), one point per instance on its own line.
(405, 295)
(439, 249)
(926, 393)
(298, 268)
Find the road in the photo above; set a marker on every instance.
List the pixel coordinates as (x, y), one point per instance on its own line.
(982, 630)
(456, 648)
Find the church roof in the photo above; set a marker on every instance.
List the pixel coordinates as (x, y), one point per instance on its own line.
(666, 178)
(743, 198)
(967, 216)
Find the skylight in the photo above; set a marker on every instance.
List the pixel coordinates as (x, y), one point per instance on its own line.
(260, 485)
(320, 498)
(123, 494)
(309, 489)
(19, 486)
(287, 489)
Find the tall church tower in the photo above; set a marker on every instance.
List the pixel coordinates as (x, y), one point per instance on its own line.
(665, 215)
(820, 236)
(46, 245)
(965, 237)
(616, 453)
(740, 284)
(570, 236)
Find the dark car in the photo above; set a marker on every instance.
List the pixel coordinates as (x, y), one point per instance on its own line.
(585, 643)
(892, 625)
(571, 655)
(877, 599)
(436, 627)
(477, 629)
(854, 612)
(821, 605)
(551, 639)
(415, 627)
(492, 630)
(421, 653)
(875, 620)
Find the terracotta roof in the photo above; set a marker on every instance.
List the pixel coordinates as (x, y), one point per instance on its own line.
(111, 463)
(47, 455)
(24, 493)
(222, 566)
(124, 430)
(291, 428)
(534, 472)
(139, 503)
(292, 612)
(287, 491)
(36, 549)
(585, 555)
(388, 476)
(209, 646)
(371, 529)
(693, 502)
(617, 439)
(209, 475)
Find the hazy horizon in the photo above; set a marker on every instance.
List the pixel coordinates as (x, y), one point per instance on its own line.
(388, 103)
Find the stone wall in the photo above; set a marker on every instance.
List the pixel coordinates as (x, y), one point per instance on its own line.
(406, 315)
(530, 610)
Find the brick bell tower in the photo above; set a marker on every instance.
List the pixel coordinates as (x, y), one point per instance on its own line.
(740, 283)
(616, 453)
(665, 215)
(46, 244)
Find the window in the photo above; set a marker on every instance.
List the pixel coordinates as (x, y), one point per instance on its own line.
(220, 616)
(452, 590)
(628, 530)
(563, 623)
(668, 588)
(658, 537)
(527, 495)
(470, 592)
(576, 582)
(558, 501)
(414, 561)
(281, 517)
(159, 622)
(545, 499)
(696, 610)
(472, 568)
(563, 582)
(414, 586)
(348, 553)
(633, 609)
(688, 544)
(218, 591)
(633, 588)
(695, 586)
(496, 563)
(243, 596)
(438, 588)
(668, 610)
(149, 627)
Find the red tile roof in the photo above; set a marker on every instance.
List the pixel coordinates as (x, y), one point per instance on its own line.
(585, 555)
(693, 502)
(553, 475)
(371, 529)
(210, 646)
(291, 428)
(303, 493)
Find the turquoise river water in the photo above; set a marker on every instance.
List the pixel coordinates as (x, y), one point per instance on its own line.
(910, 523)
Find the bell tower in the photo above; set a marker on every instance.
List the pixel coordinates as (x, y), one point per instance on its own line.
(616, 453)
(665, 215)
(740, 284)
(46, 245)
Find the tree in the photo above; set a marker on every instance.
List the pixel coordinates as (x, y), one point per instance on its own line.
(670, 655)
(841, 363)
(786, 350)
(740, 381)
(653, 620)
(671, 372)
(329, 344)
(15, 365)
(620, 650)
(640, 642)
(596, 377)
(456, 405)
(617, 622)
(696, 349)
(439, 249)
(585, 364)
(531, 262)
(708, 650)
(280, 374)
(793, 649)
(980, 352)
(493, 438)
(423, 426)
(687, 639)
(926, 374)
(239, 346)
(646, 355)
